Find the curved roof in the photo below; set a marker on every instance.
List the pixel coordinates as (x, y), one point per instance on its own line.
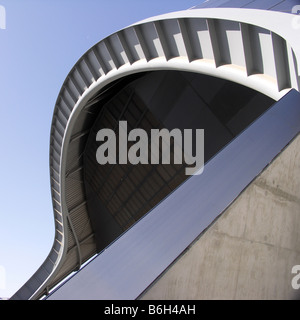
(258, 49)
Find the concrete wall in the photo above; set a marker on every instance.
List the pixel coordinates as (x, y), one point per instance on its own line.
(249, 251)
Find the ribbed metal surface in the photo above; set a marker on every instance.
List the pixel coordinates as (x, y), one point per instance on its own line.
(192, 42)
(126, 191)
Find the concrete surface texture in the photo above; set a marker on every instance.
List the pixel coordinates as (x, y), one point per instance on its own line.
(250, 250)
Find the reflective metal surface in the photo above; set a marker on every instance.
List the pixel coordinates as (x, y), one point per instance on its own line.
(276, 5)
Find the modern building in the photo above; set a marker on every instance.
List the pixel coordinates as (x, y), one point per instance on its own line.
(230, 67)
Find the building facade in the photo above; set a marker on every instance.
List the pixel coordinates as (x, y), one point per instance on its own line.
(231, 232)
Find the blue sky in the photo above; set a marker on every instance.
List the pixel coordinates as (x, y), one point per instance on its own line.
(42, 41)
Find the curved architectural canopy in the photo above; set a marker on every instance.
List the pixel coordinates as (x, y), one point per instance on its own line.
(204, 55)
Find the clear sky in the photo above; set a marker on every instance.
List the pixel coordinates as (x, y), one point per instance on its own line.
(43, 39)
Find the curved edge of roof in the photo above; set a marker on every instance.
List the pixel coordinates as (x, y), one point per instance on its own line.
(133, 50)
(278, 22)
